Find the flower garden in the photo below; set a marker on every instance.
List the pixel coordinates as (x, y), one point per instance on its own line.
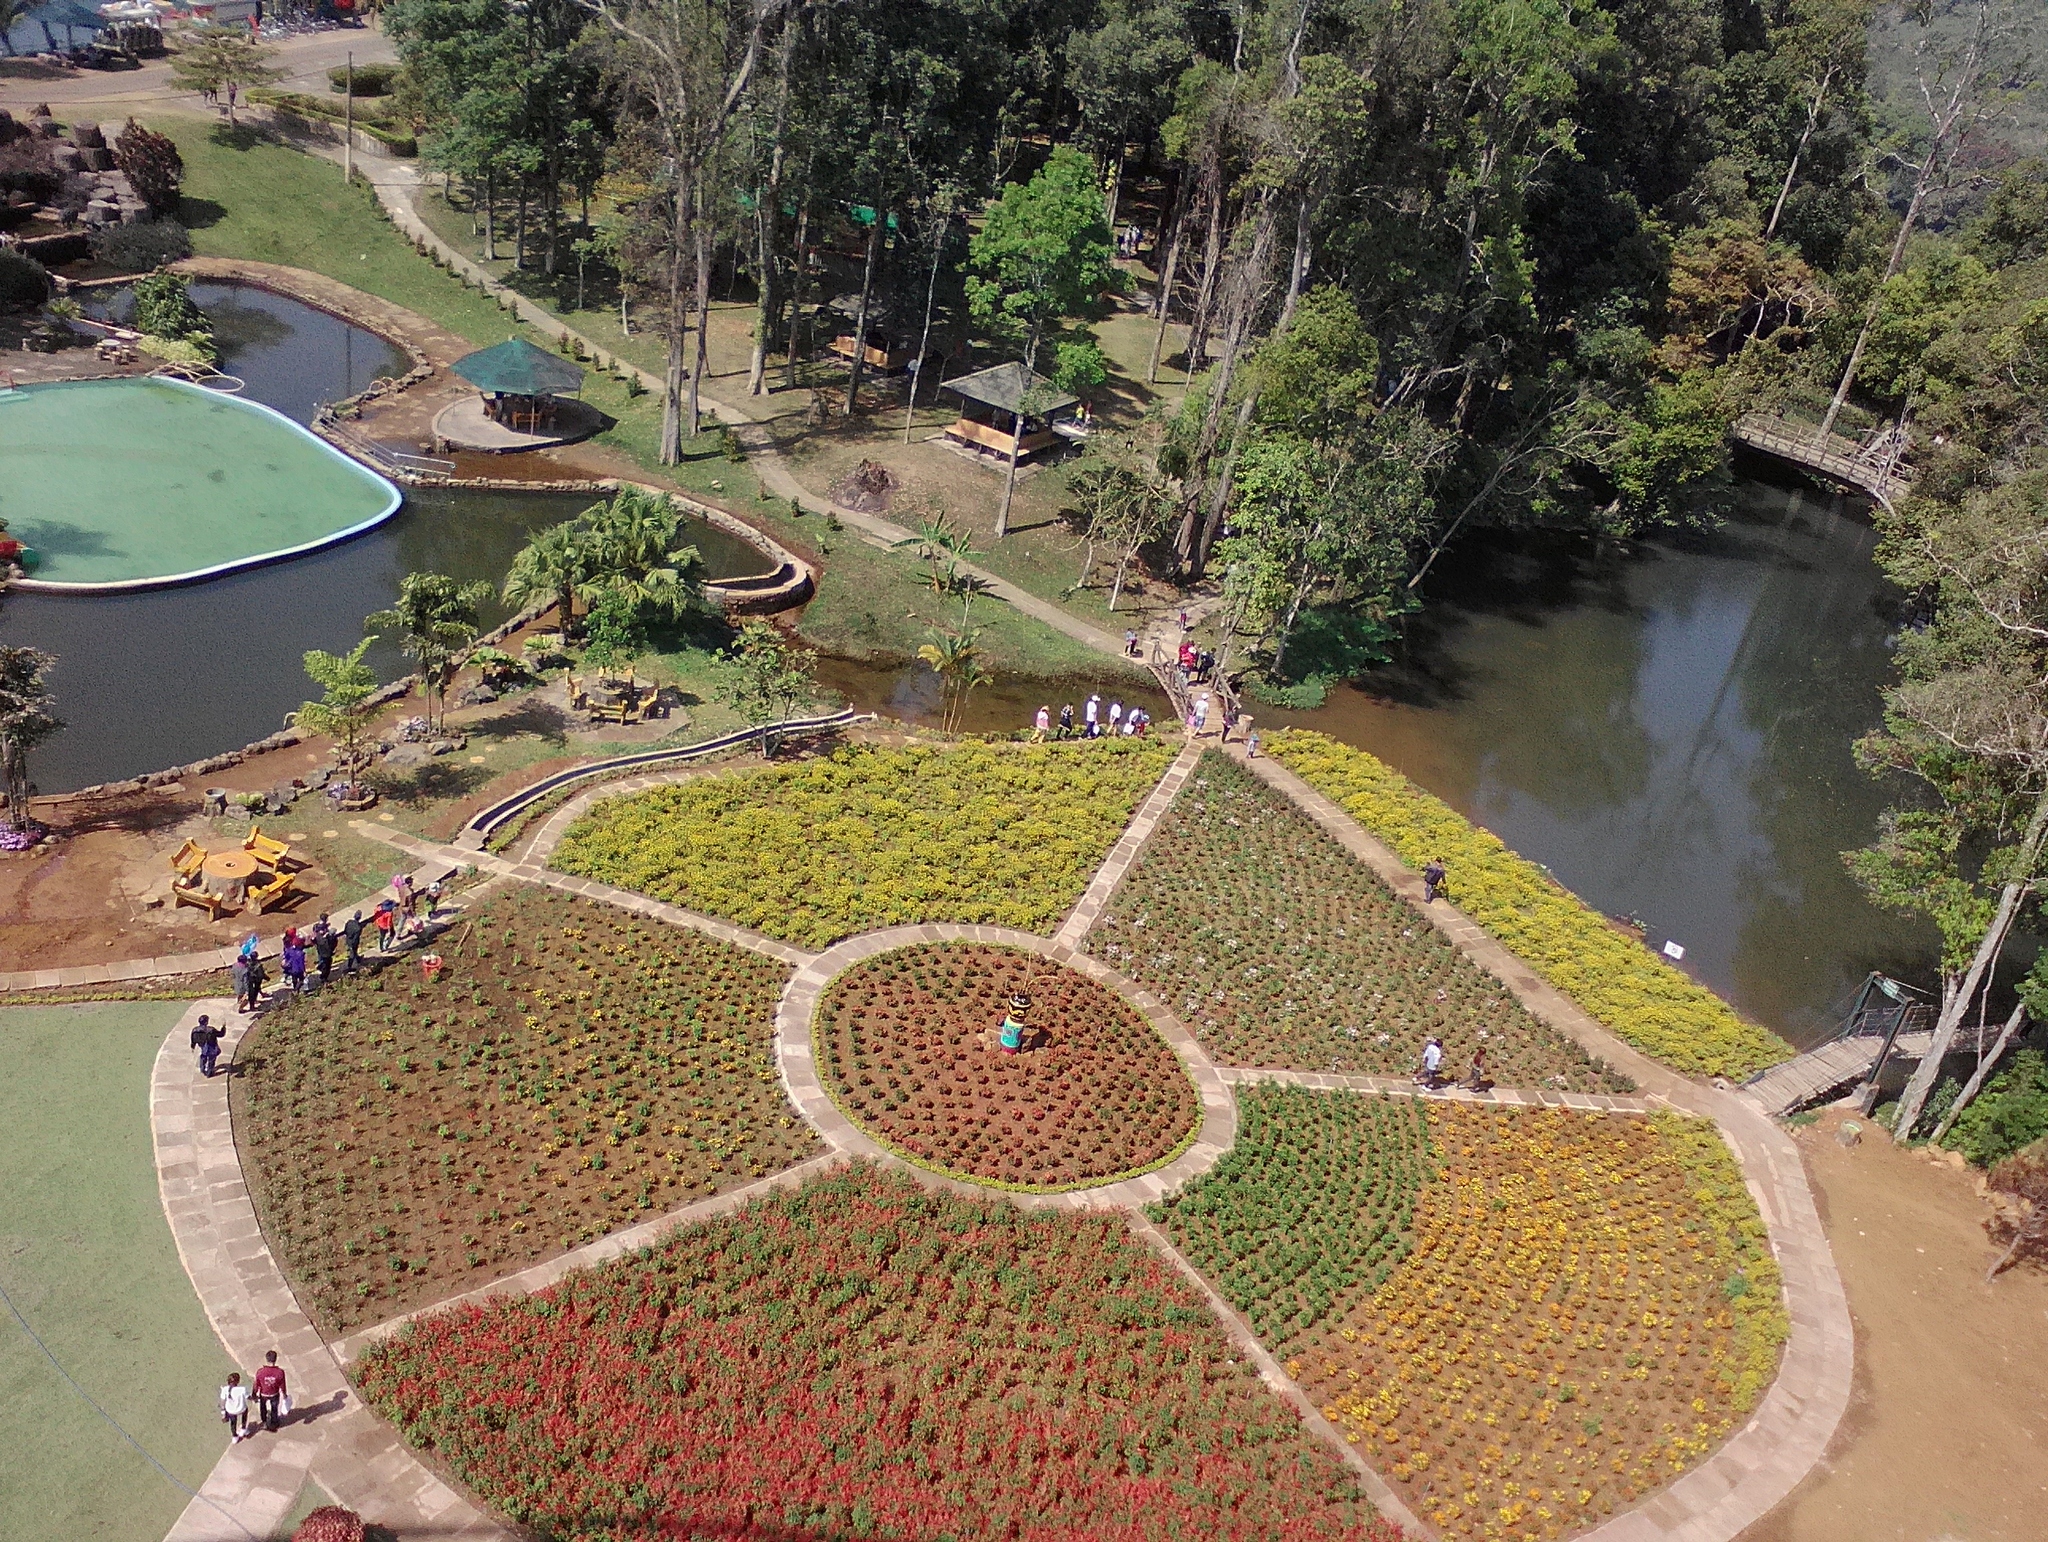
(907, 1045)
(1006, 834)
(865, 1358)
(1315, 1200)
(1279, 949)
(1636, 994)
(1587, 1308)
(573, 1069)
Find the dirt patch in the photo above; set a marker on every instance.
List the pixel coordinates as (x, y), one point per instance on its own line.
(911, 1042)
(1946, 1439)
(866, 489)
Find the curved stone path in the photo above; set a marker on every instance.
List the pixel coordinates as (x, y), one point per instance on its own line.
(360, 1460)
(798, 1064)
(332, 1436)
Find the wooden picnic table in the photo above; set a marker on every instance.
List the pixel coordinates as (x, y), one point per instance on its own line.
(228, 872)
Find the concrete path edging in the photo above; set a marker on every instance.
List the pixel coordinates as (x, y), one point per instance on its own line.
(1789, 1431)
(797, 1061)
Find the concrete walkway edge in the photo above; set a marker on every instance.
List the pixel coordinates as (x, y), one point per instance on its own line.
(1790, 1428)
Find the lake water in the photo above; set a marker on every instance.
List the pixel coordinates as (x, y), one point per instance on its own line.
(1667, 726)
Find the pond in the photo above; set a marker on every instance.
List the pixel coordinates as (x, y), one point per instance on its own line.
(1667, 726)
(289, 355)
(170, 676)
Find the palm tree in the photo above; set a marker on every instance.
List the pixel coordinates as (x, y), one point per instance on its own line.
(637, 550)
(343, 712)
(943, 546)
(556, 565)
(955, 657)
(437, 617)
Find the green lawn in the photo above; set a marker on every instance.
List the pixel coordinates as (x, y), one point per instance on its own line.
(87, 1257)
(247, 197)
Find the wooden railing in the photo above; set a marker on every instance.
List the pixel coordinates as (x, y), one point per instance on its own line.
(1878, 474)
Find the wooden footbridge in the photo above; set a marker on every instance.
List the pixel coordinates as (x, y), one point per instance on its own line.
(1882, 1026)
(1874, 466)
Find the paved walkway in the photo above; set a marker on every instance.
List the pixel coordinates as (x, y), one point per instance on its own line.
(1125, 851)
(331, 1436)
(1791, 1427)
(360, 1460)
(1447, 1092)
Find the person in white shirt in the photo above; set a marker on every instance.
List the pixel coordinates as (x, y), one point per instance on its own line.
(234, 1406)
(1092, 715)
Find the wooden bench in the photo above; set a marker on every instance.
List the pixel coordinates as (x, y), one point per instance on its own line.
(270, 895)
(189, 859)
(191, 894)
(271, 852)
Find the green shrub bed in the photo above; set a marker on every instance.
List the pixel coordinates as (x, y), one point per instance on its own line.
(1002, 834)
(1278, 948)
(1314, 1199)
(573, 1069)
(1634, 993)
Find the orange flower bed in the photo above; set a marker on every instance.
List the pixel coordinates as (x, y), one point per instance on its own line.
(1588, 1308)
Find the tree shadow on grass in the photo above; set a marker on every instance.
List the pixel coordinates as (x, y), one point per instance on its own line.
(200, 213)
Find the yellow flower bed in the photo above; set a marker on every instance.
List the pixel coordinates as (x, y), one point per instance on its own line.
(1588, 1308)
(1002, 834)
(1633, 992)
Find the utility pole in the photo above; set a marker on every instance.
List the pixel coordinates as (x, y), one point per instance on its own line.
(348, 133)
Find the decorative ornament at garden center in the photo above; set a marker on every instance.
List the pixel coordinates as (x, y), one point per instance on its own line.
(1013, 1030)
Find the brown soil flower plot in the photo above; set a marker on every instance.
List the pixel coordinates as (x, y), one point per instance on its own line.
(908, 1043)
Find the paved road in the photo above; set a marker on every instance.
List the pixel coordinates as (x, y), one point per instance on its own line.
(115, 94)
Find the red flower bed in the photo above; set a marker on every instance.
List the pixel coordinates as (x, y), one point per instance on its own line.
(908, 1043)
(864, 1358)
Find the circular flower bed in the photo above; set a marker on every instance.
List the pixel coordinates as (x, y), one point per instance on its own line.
(910, 1046)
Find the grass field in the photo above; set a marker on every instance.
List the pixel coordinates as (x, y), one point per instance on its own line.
(87, 1258)
(252, 198)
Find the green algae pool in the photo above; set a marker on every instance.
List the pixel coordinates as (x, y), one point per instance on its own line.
(129, 484)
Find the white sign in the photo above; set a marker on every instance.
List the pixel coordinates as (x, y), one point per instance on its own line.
(1673, 950)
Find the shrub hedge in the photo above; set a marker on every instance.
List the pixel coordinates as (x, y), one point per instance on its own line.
(1629, 989)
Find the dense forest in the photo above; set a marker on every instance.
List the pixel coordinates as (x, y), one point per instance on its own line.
(1446, 262)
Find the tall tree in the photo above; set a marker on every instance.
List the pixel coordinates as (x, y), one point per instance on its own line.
(685, 66)
(1043, 253)
(1963, 82)
(28, 717)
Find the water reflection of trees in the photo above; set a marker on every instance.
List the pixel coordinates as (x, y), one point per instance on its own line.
(1529, 650)
(1809, 689)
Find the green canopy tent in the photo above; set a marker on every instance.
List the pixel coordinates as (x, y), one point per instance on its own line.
(520, 382)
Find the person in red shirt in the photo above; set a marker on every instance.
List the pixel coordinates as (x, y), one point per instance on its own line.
(270, 1391)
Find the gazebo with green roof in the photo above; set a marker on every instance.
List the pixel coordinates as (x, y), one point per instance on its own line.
(519, 383)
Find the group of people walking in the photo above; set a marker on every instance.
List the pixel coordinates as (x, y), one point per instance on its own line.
(1093, 724)
(311, 950)
(268, 1391)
